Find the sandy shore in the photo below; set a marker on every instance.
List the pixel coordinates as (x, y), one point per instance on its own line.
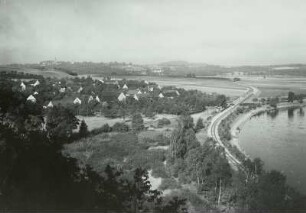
(238, 124)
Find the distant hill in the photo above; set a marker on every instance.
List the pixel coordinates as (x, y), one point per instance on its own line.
(169, 68)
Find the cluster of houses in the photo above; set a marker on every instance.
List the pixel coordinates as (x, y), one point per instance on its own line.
(136, 94)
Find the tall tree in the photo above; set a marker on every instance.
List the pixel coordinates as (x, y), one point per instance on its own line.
(83, 131)
(61, 122)
(137, 122)
(199, 125)
(291, 96)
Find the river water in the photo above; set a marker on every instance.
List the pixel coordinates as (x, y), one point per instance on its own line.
(279, 139)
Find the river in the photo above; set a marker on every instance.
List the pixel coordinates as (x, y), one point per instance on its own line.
(279, 139)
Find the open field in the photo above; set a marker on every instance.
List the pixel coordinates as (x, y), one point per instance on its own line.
(44, 73)
(273, 86)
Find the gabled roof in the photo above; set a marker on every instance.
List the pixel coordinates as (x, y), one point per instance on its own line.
(77, 101)
(121, 97)
(36, 83)
(31, 98)
(125, 86)
(50, 104)
(97, 99)
(80, 89)
(23, 86)
(90, 99)
(135, 97)
(161, 95)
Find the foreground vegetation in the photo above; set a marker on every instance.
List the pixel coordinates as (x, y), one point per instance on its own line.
(46, 164)
(35, 176)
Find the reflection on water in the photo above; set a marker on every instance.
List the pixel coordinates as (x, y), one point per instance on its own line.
(278, 137)
(301, 112)
(290, 113)
(273, 113)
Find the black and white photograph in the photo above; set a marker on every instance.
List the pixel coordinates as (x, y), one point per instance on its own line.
(153, 106)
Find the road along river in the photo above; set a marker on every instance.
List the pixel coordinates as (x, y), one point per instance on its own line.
(216, 120)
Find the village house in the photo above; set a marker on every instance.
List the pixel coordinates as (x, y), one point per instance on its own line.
(31, 98)
(23, 86)
(50, 104)
(80, 89)
(97, 99)
(161, 95)
(62, 90)
(90, 99)
(125, 86)
(121, 97)
(136, 97)
(36, 83)
(77, 101)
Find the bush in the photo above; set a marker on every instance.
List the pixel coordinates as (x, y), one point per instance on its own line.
(199, 125)
(104, 129)
(120, 127)
(169, 183)
(159, 171)
(162, 122)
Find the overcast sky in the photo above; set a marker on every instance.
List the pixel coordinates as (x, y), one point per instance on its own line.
(227, 32)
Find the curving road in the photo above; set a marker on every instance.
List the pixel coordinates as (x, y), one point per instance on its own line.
(216, 120)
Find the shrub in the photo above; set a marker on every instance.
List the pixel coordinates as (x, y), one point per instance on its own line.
(104, 129)
(120, 127)
(162, 122)
(169, 183)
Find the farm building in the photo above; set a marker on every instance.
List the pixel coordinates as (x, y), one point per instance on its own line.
(161, 95)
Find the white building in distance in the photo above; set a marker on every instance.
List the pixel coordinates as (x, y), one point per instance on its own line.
(161, 95)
